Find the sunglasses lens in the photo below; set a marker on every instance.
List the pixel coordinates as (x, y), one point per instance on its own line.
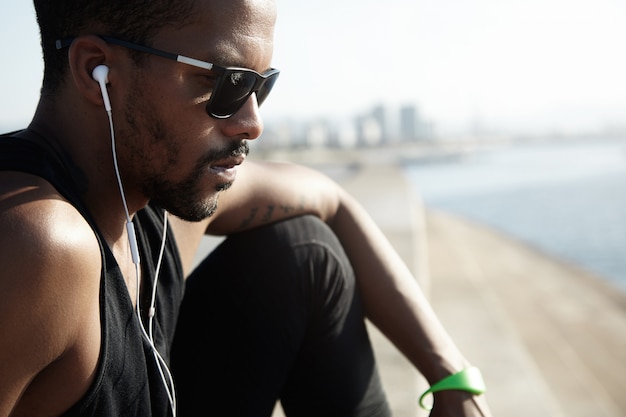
(235, 88)
(232, 92)
(265, 89)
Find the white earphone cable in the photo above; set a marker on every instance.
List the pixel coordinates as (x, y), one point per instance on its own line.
(166, 375)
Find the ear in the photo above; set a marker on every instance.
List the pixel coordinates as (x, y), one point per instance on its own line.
(86, 53)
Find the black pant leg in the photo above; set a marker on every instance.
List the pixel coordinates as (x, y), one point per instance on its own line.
(274, 313)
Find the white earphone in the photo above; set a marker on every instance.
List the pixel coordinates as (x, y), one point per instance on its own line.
(101, 75)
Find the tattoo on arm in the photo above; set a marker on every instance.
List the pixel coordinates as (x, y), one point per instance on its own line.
(282, 211)
(268, 214)
(247, 221)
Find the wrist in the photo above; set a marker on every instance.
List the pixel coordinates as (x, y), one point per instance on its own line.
(441, 365)
(468, 380)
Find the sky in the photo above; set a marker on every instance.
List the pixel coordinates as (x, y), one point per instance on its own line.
(507, 65)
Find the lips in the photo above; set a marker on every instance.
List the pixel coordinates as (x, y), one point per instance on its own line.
(227, 168)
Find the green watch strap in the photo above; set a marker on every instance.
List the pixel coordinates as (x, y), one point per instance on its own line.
(469, 379)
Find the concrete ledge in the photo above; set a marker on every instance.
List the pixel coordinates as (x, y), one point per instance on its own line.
(549, 337)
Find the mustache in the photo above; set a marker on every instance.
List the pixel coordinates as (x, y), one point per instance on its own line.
(235, 149)
(232, 150)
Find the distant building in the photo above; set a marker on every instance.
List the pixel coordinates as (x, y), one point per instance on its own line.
(320, 134)
(369, 132)
(379, 114)
(375, 127)
(347, 135)
(408, 123)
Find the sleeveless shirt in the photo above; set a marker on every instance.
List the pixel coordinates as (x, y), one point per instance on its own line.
(127, 380)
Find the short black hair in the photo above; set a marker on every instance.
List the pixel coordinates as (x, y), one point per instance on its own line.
(132, 20)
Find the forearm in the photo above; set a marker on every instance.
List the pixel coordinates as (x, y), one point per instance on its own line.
(393, 300)
(266, 192)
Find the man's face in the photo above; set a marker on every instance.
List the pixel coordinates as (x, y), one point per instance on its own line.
(179, 156)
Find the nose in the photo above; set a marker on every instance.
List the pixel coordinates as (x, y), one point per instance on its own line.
(246, 123)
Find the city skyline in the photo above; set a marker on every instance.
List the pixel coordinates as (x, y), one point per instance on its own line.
(379, 125)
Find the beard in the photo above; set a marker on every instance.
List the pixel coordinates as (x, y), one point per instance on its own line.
(186, 198)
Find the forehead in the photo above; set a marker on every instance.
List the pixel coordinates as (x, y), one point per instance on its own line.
(225, 32)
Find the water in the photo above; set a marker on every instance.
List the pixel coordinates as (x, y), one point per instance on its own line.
(568, 199)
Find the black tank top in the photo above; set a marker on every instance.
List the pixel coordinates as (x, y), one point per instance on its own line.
(127, 382)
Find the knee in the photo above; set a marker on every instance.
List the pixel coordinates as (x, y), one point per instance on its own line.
(299, 242)
(301, 254)
(290, 235)
(299, 230)
(312, 245)
(299, 260)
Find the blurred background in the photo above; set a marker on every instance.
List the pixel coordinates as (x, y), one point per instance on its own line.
(509, 113)
(476, 66)
(485, 101)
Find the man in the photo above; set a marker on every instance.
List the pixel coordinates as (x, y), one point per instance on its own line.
(145, 107)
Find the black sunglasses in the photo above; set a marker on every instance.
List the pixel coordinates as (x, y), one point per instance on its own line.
(233, 85)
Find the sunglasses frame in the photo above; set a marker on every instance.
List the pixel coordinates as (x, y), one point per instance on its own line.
(223, 73)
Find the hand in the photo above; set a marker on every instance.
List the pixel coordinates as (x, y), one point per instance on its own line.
(459, 404)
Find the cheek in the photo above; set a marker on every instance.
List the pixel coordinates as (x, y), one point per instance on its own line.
(170, 126)
(177, 157)
(151, 145)
(183, 94)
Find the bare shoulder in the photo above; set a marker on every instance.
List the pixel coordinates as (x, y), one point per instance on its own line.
(40, 228)
(49, 288)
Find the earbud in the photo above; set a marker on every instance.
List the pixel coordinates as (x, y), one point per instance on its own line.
(101, 74)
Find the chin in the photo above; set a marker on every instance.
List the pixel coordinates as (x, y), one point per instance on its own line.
(196, 212)
(189, 200)
(189, 207)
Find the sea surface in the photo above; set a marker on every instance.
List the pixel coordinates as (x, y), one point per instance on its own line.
(567, 198)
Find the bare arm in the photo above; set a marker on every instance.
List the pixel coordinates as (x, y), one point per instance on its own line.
(395, 303)
(49, 344)
(393, 300)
